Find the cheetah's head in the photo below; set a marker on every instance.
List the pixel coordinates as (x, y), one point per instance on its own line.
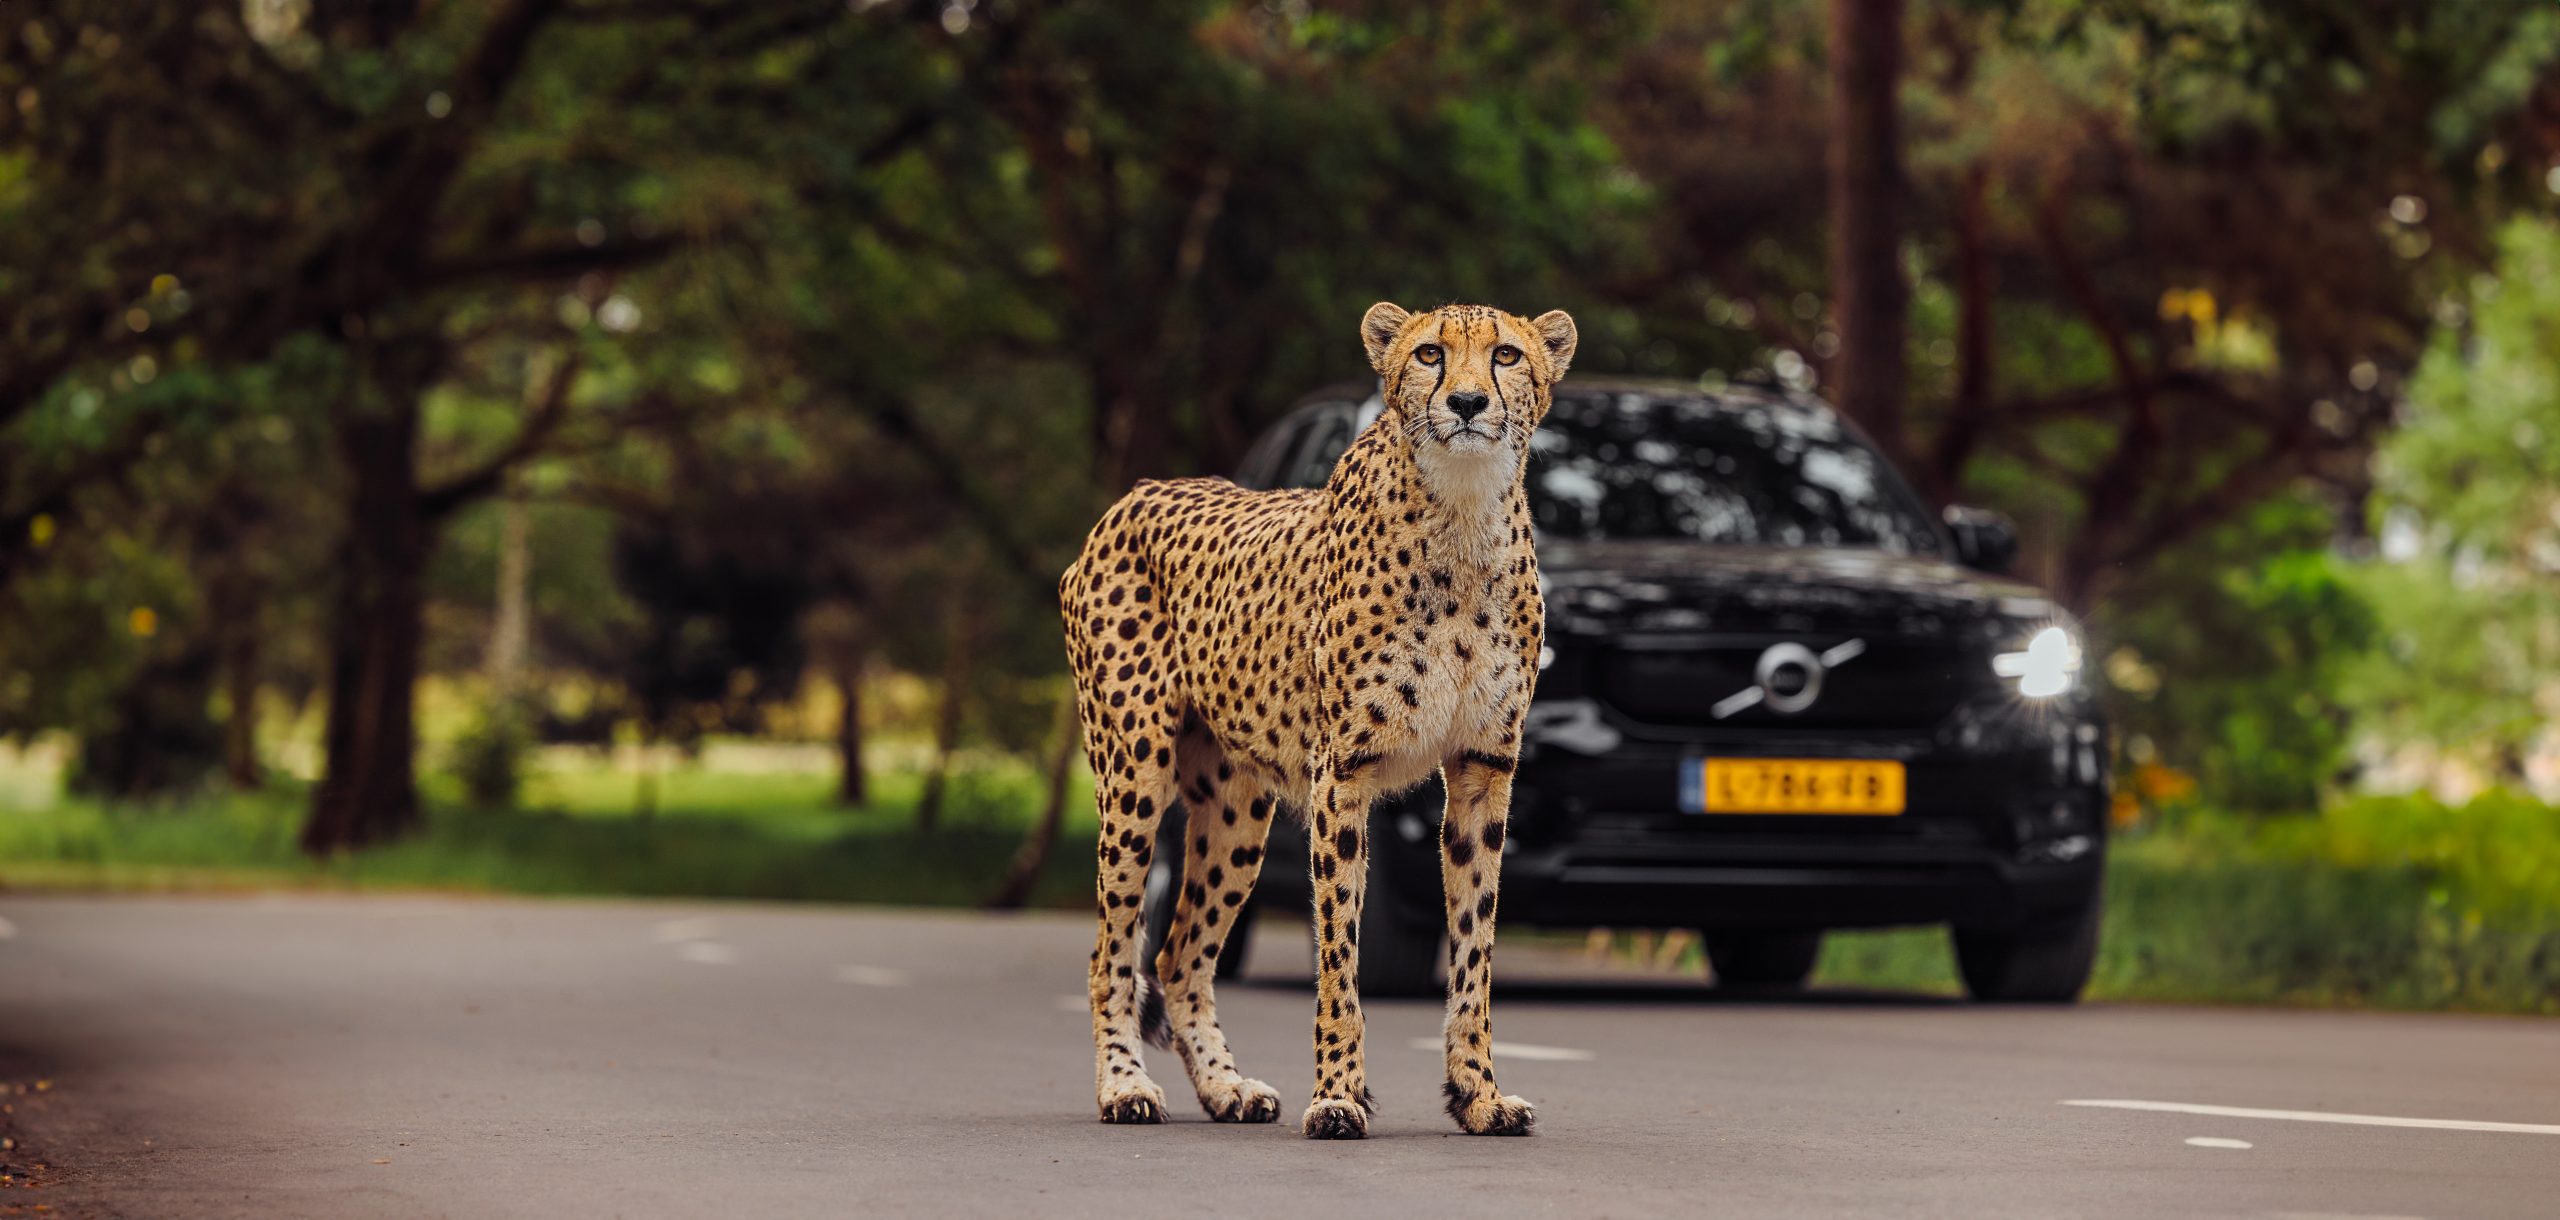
(1466, 384)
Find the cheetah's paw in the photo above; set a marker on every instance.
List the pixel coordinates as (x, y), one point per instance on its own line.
(1495, 1115)
(1139, 1102)
(1241, 1101)
(1334, 1118)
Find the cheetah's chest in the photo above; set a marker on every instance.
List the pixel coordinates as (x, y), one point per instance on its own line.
(1449, 677)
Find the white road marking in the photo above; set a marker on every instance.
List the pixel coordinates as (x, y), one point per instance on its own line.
(707, 952)
(8, 930)
(2338, 1216)
(2216, 1141)
(873, 976)
(2322, 1116)
(1521, 1050)
(677, 931)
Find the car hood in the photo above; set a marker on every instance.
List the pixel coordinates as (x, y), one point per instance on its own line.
(1674, 586)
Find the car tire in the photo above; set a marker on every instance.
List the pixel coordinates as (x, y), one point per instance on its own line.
(2048, 963)
(1164, 893)
(1763, 960)
(1401, 930)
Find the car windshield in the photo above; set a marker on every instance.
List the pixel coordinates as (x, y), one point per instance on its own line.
(1637, 466)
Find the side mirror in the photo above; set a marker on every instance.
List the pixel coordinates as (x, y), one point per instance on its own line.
(1985, 540)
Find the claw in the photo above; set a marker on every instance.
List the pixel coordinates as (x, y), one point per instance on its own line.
(1133, 1108)
(1335, 1119)
(1251, 1102)
(1491, 1116)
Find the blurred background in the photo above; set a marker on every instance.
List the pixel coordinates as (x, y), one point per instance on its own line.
(628, 446)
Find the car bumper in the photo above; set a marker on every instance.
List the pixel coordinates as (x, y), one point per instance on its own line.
(1984, 893)
(1999, 833)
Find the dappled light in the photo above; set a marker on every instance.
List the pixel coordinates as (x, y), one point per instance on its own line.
(2013, 504)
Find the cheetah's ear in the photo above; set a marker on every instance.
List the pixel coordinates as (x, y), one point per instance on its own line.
(1378, 329)
(1555, 328)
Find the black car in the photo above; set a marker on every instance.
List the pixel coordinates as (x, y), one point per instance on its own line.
(1778, 696)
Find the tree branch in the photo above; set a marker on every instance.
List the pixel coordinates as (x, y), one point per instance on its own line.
(550, 262)
(436, 148)
(894, 420)
(549, 412)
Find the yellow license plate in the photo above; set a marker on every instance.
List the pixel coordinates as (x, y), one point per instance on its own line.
(1803, 785)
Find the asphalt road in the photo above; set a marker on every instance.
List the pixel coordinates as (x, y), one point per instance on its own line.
(352, 1057)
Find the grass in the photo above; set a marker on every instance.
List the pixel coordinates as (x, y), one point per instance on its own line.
(2398, 902)
(719, 834)
(2384, 902)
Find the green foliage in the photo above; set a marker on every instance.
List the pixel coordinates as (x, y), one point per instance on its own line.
(2236, 661)
(2383, 902)
(870, 313)
(2397, 902)
(2470, 520)
(2463, 665)
(2480, 455)
(719, 834)
(488, 759)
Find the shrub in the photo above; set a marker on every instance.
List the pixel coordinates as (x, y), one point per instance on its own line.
(488, 758)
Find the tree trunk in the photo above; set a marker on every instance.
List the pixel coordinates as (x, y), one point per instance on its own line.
(231, 600)
(644, 793)
(853, 783)
(240, 689)
(946, 728)
(946, 740)
(1869, 298)
(162, 739)
(511, 631)
(1973, 338)
(1023, 874)
(368, 790)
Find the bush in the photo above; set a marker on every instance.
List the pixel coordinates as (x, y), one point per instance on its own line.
(2402, 902)
(488, 758)
(2392, 902)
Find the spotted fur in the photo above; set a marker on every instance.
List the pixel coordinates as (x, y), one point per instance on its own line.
(1320, 649)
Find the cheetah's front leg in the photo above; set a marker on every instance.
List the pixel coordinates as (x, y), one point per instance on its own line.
(1338, 816)
(1471, 832)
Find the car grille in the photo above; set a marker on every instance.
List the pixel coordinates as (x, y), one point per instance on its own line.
(1890, 684)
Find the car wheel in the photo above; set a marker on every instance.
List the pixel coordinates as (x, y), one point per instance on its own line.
(1232, 955)
(1401, 930)
(1163, 888)
(1763, 959)
(2045, 964)
(1164, 893)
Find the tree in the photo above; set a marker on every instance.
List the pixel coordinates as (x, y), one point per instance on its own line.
(143, 593)
(2142, 200)
(2240, 662)
(2469, 582)
(1869, 298)
(383, 181)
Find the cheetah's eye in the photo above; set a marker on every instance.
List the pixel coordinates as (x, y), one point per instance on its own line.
(1506, 355)
(1428, 353)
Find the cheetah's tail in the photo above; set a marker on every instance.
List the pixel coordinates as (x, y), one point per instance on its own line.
(1152, 1022)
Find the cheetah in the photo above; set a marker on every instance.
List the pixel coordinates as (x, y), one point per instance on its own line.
(1317, 650)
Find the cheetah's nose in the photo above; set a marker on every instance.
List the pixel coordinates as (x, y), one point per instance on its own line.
(1468, 405)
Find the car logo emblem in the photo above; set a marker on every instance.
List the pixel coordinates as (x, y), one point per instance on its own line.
(1789, 678)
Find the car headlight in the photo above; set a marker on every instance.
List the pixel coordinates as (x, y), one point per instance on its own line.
(2048, 666)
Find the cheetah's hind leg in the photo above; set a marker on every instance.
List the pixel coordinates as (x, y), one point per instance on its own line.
(1132, 759)
(1229, 818)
